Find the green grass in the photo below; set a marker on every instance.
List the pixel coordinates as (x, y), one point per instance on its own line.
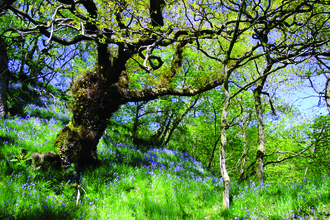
(134, 184)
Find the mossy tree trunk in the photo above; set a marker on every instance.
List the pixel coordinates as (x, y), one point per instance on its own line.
(97, 97)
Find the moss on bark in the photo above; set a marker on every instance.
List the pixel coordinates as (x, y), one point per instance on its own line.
(95, 102)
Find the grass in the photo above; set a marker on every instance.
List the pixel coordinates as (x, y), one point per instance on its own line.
(132, 184)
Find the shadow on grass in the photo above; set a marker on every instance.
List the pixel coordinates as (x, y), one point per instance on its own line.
(46, 213)
(6, 139)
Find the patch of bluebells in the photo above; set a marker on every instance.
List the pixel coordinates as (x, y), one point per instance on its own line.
(15, 85)
(32, 120)
(32, 125)
(27, 133)
(48, 113)
(160, 160)
(24, 198)
(297, 194)
(174, 165)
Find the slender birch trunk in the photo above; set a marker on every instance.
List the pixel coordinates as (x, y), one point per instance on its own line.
(4, 77)
(224, 173)
(227, 72)
(261, 138)
(261, 132)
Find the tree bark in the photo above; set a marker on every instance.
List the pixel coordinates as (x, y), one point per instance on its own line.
(4, 79)
(156, 15)
(224, 173)
(4, 4)
(97, 97)
(167, 127)
(77, 142)
(156, 136)
(261, 133)
(136, 120)
(209, 163)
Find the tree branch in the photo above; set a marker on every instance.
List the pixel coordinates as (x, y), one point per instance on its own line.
(132, 95)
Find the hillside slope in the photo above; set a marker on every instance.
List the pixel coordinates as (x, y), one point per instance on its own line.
(158, 183)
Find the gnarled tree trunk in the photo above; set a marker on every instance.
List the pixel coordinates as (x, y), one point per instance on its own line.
(77, 142)
(97, 97)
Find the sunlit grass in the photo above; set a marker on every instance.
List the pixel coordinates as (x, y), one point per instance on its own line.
(32, 134)
(132, 184)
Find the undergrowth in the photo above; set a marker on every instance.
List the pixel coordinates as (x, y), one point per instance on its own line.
(158, 183)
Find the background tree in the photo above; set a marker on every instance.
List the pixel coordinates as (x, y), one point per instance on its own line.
(33, 64)
(233, 58)
(319, 155)
(4, 77)
(4, 73)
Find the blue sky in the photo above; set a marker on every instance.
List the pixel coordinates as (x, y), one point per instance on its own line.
(307, 99)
